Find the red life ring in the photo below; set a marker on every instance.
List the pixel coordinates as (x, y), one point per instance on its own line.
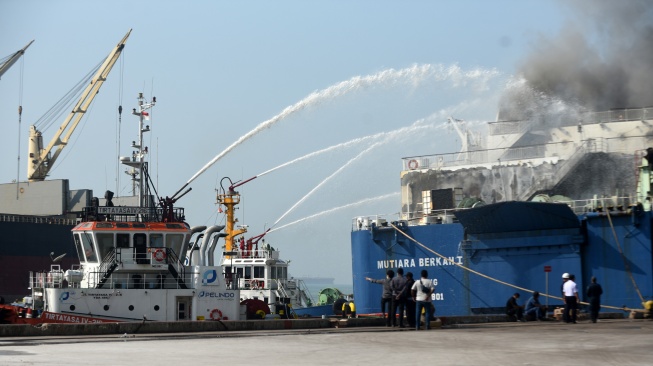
(412, 164)
(159, 255)
(216, 314)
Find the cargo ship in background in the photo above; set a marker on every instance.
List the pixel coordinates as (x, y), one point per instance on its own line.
(538, 200)
(37, 215)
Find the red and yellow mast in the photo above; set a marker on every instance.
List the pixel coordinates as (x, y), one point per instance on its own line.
(230, 199)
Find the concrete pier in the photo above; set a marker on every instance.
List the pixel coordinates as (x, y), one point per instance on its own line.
(608, 342)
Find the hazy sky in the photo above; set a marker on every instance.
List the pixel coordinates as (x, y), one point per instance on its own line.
(391, 71)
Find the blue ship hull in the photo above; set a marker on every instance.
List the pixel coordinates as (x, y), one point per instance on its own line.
(497, 250)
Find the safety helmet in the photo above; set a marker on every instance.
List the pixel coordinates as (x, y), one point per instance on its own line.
(565, 275)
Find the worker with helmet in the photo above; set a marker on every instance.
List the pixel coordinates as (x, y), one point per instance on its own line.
(571, 299)
(565, 278)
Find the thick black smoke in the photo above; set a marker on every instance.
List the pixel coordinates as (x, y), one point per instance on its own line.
(602, 59)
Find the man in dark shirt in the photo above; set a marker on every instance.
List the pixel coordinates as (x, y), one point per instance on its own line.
(513, 309)
(534, 307)
(399, 296)
(386, 298)
(594, 292)
(410, 301)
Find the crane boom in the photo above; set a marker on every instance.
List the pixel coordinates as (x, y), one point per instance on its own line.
(40, 160)
(4, 67)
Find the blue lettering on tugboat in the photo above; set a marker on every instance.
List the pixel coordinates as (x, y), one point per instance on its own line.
(216, 294)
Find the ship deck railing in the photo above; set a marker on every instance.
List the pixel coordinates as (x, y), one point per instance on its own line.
(551, 152)
(127, 266)
(260, 283)
(147, 281)
(130, 214)
(245, 254)
(535, 154)
(284, 285)
(37, 219)
(162, 279)
(281, 285)
(612, 204)
(602, 204)
(54, 278)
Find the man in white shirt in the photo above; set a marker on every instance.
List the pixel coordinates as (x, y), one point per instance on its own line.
(571, 299)
(421, 291)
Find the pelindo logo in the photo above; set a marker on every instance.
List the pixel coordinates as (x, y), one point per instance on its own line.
(209, 276)
(216, 294)
(64, 296)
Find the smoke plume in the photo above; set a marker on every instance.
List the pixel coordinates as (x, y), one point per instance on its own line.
(601, 59)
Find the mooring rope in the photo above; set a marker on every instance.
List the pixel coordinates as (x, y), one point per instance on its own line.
(623, 257)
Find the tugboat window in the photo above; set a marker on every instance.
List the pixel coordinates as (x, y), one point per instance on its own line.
(78, 246)
(140, 247)
(122, 241)
(156, 240)
(175, 242)
(89, 250)
(104, 243)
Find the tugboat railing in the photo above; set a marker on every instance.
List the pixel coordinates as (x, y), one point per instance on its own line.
(160, 260)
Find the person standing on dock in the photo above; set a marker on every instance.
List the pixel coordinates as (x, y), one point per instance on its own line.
(422, 291)
(571, 299)
(386, 297)
(410, 300)
(399, 295)
(565, 313)
(594, 292)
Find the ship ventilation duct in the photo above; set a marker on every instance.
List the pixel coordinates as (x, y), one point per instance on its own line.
(194, 238)
(205, 242)
(212, 245)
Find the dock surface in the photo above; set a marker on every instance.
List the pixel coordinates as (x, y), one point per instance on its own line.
(608, 342)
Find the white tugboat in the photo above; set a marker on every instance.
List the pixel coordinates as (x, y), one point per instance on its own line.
(129, 264)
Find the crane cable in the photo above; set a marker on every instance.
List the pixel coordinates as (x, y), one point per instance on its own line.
(488, 277)
(66, 102)
(119, 126)
(20, 118)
